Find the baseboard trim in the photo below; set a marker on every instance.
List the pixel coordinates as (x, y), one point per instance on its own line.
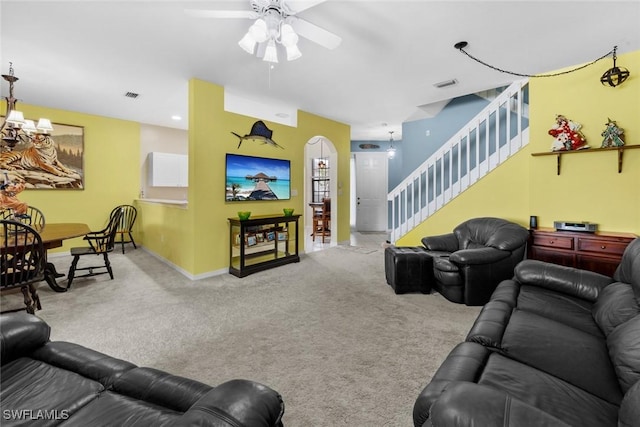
(182, 270)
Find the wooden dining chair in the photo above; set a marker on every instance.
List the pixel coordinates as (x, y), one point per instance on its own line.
(101, 243)
(129, 214)
(22, 261)
(33, 217)
(322, 220)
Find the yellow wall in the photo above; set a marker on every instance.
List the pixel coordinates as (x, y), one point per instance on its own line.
(196, 239)
(193, 239)
(111, 167)
(589, 187)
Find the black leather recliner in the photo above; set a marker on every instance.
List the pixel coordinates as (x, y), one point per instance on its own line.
(46, 382)
(469, 263)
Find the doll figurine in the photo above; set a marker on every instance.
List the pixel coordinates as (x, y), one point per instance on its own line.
(612, 135)
(567, 135)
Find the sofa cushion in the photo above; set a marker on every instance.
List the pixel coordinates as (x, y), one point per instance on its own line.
(29, 384)
(616, 304)
(160, 388)
(112, 409)
(570, 354)
(469, 404)
(563, 308)
(548, 393)
(624, 349)
(630, 407)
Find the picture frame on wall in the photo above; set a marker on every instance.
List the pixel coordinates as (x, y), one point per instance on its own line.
(56, 163)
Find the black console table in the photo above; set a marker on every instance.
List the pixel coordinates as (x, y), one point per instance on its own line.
(262, 242)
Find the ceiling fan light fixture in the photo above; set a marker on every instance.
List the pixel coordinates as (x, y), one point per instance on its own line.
(248, 44)
(270, 53)
(288, 37)
(259, 30)
(293, 52)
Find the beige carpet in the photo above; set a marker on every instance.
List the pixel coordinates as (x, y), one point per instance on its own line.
(328, 333)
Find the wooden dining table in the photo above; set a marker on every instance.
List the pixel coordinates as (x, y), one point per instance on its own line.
(53, 234)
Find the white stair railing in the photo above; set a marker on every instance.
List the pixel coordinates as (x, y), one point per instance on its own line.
(500, 130)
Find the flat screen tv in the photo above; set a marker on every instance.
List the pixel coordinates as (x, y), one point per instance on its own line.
(257, 178)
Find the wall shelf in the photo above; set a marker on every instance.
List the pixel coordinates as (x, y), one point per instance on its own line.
(559, 154)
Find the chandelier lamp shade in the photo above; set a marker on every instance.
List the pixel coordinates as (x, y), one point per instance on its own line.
(391, 151)
(267, 32)
(15, 129)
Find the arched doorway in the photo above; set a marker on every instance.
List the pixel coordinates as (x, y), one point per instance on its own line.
(320, 180)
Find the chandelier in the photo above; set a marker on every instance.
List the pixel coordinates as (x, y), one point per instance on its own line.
(270, 30)
(16, 129)
(391, 151)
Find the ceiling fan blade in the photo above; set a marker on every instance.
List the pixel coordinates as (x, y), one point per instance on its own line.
(316, 34)
(201, 13)
(300, 5)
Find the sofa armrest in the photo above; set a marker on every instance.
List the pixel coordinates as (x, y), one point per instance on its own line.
(488, 328)
(236, 403)
(20, 334)
(571, 281)
(444, 242)
(470, 404)
(478, 256)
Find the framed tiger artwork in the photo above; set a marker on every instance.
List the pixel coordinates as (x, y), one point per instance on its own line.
(48, 162)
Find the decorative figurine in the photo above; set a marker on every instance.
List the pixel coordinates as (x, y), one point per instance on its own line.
(567, 135)
(613, 135)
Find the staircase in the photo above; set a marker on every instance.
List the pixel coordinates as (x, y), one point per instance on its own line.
(500, 130)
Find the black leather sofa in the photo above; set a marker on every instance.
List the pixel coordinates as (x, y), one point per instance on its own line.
(555, 346)
(469, 263)
(60, 383)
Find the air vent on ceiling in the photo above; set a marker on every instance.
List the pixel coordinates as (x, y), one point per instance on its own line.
(446, 83)
(132, 95)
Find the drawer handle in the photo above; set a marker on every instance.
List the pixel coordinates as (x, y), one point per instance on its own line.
(603, 247)
(551, 241)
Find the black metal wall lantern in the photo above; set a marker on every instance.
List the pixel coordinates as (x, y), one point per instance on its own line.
(616, 75)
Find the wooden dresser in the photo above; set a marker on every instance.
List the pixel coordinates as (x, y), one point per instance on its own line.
(600, 252)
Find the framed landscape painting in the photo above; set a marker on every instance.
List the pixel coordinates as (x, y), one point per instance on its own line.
(54, 161)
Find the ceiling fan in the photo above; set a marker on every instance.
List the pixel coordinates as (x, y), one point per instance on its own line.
(276, 27)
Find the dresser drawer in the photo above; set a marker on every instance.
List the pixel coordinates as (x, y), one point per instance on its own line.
(605, 246)
(553, 241)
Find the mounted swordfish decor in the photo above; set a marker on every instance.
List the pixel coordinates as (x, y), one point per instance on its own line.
(48, 161)
(259, 132)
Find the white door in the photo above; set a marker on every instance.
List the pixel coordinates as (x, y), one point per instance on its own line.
(371, 191)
